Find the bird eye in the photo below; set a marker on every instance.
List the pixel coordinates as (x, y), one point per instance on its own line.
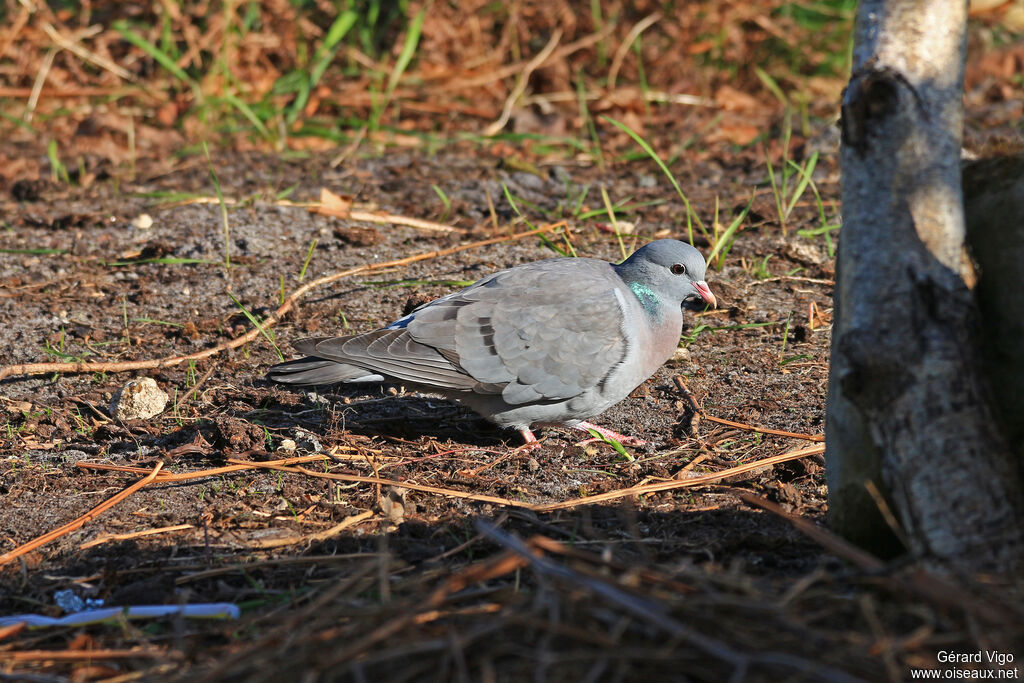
(678, 269)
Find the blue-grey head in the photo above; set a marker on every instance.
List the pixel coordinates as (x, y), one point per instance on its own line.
(671, 270)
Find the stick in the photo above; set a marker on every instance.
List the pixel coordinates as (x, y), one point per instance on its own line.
(382, 218)
(272, 319)
(81, 521)
(764, 430)
(452, 493)
(822, 536)
(77, 655)
(184, 476)
(685, 483)
(136, 534)
(520, 86)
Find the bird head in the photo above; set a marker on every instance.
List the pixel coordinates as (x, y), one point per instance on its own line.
(672, 270)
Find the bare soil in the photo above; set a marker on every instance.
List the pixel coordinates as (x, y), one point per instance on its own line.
(691, 584)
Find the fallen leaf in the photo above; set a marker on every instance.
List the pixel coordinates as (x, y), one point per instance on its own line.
(336, 204)
(731, 99)
(736, 133)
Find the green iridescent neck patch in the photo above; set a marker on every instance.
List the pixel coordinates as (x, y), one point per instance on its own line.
(648, 299)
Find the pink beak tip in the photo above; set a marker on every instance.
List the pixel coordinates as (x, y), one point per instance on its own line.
(705, 293)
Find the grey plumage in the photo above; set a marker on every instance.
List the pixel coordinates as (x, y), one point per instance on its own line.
(550, 342)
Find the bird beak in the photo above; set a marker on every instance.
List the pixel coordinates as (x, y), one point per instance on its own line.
(705, 293)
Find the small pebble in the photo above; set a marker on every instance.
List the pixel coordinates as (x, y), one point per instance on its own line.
(681, 355)
(139, 399)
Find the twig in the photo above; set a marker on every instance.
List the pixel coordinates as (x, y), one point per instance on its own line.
(823, 537)
(98, 60)
(272, 319)
(16, 27)
(521, 82)
(18, 93)
(185, 476)
(642, 608)
(382, 218)
(136, 534)
(476, 573)
(451, 493)
(78, 655)
(37, 85)
(620, 54)
(680, 383)
(513, 69)
(793, 278)
(81, 521)
(338, 528)
(685, 483)
(764, 430)
(275, 562)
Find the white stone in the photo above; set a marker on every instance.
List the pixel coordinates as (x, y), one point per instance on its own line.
(139, 399)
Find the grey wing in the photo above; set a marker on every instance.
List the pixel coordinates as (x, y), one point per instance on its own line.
(550, 330)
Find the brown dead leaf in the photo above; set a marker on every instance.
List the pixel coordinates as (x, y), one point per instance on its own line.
(335, 204)
(167, 114)
(358, 235)
(737, 133)
(22, 168)
(700, 47)
(18, 407)
(311, 143)
(981, 6)
(393, 504)
(731, 99)
(830, 89)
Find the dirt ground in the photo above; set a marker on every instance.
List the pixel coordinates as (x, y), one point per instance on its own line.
(401, 589)
(396, 536)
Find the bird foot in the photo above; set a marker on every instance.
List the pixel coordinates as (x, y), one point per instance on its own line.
(623, 439)
(530, 441)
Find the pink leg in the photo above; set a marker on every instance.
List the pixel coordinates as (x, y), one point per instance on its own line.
(529, 440)
(621, 438)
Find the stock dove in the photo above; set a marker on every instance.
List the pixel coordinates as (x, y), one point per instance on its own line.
(553, 342)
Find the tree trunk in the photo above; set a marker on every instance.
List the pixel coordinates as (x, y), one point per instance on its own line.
(909, 409)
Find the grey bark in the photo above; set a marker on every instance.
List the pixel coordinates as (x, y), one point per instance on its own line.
(909, 408)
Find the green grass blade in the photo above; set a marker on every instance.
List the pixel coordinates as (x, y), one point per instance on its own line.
(613, 443)
(256, 324)
(163, 261)
(34, 252)
(223, 208)
(776, 193)
(304, 83)
(515, 206)
(325, 53)
(412, 39)
(690, 213)
(158, 55)
(309, 257)
(805, 172)
(248, 113)
(772, 85)
(724, 242)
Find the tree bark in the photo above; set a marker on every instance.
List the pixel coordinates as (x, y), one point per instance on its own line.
(993, 209)
(909, 409)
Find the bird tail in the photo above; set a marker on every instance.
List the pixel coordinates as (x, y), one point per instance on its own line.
(312, 370)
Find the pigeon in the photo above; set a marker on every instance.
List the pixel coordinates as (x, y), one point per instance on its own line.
(552, 342)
